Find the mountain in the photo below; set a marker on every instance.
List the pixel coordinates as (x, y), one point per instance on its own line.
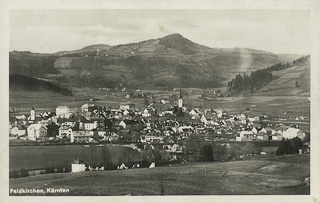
(166, 62)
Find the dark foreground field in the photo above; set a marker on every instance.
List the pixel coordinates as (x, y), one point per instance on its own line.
(40, 157)
(283, 175)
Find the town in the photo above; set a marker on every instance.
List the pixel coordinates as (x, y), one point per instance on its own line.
(162, 123)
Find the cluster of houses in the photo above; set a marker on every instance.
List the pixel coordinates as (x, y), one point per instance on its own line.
(93, 124)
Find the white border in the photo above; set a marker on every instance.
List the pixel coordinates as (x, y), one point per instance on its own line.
(313, 5)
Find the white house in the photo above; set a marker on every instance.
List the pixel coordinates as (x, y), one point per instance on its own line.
(245, 135)
(253, 119)
(18, 130)
(124, 106)
(145, 113)
(81, 136)
(293, 132)
(37, 132)
(61, 110)
(65, 131)
(87, 107)
(123, 124)
(125, 112)
(193, 113)
(78, 166)
(91, 125)
(185, 128)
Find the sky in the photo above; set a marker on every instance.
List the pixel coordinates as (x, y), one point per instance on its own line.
(50, 31)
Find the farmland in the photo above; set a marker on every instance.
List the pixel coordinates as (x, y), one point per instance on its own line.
(269, 175)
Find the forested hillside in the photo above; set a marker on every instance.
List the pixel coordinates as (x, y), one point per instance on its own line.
(257, 80)
(28, 83)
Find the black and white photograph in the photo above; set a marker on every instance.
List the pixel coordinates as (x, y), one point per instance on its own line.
(161, 102)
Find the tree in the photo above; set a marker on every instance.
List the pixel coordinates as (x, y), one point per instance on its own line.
(288, 147)
(296, 145)
(219, 152)
(106, 156)
(206, 153)
(281, 149)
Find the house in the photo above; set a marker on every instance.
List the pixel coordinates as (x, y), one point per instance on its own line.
(185, 128)
(293, 132)
(208, 119)
(81, 136)
(91, 125)
(87, 107)
(167, 113)
(276, 137)
(245, 136)
(37, 132)
(78, 166)
(262, 136)
(145, 113)
(123, 124)
(61, 110)
(124, 106)
(65, 131)
(125, 112)
(306, 148)
(194, 112)
(18, 131)
(253, 119)
(151, 139)
(176, 148)
(111, 137)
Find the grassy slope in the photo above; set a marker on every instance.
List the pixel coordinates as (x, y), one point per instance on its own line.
(265, 176)
(291, 81)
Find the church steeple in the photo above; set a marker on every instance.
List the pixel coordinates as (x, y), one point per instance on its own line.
(32, 114)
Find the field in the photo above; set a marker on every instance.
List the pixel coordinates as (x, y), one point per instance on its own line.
(271, 175)
(35, 157)
(23, 100)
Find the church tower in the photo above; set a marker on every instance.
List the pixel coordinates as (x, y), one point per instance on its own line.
(180, 101)
(32, 114)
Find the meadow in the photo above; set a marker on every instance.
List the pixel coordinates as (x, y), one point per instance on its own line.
(271, 175)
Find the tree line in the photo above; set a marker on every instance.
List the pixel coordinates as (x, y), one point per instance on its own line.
(259, 78)
(250, 83)
(29, 83)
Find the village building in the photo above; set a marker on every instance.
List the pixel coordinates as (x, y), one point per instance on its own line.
(87, 107)
(78, 166)
(61, 110)
(123, 124)
(293, 132)
(37, 132)
(245, 136)
(124, 106)
(65, 131)
(91, 125)
(18, 131)
(81, 136)
(32, 114)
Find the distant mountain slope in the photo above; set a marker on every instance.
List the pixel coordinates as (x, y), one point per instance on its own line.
(166, 62)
